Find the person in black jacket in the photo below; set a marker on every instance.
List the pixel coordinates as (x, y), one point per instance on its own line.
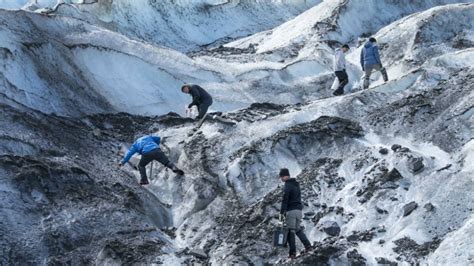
(291, 210)
(201, 98)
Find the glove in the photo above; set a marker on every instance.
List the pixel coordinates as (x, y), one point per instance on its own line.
(281, 217)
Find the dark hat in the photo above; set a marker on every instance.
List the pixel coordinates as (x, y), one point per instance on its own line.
(184, 86)
(345, 46)
(372, 39)
(284, 172)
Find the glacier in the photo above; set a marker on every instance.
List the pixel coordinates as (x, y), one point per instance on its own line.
(392, 165)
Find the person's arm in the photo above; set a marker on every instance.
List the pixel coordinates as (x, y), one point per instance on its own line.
(286, 198)
(196, 96)
(129, 154)
(377, 55)
(156, 139)
(362, 58)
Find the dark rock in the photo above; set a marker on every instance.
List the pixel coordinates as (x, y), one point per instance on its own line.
(384, 261)
(365, 236)
(411, 251)
(429, 207)
(383, 151)
(444, 168)
(198, 253)
(309, 214)
(321, 254)
(381, 211)
(415, 165)
(396, 147)
(381, 241)
(409, 208)
(331, 228)
(318, 217)
(392, 176)
(355, 258)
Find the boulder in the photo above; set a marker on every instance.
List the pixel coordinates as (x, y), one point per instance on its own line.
(198, 253)
(409, 208)
(429, 207)
(415, 165)
(331, 228)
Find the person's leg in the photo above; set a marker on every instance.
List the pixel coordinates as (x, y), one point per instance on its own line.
(300, 232)
(384, 74)
(291, 223)
(340, 77)
(161, 157)
(368, 72)
(146, 159)
(343, 81)
(203, 107)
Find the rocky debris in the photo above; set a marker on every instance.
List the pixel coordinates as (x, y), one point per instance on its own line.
(383, 179)
(415, 165)
(429, 207)
(381, 211)
(198, 253)
(170, 231)
(412, 252)
(383, 151)
(396, 147)
(384, 261)
(258, 112)
(444, 168)
(224, 50)
(409, 208)
(135, 251)
(355, 258)
(364, 236)
(322, 253)
(331, 228)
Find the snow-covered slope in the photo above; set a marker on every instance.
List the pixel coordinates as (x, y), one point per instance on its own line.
(392, 166)
(183, 25)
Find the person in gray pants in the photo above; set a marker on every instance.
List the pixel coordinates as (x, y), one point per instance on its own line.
(370, 61)
(291, 211)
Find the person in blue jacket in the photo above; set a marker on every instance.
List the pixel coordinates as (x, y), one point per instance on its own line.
(149, 148)
(201, 98)
(370, 61)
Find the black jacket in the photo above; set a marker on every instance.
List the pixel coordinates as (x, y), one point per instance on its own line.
(291, 196)
(199, 95)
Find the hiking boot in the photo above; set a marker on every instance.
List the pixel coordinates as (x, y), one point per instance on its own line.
(292, 257)
(307, 250)
(337, 92)
(144, 182)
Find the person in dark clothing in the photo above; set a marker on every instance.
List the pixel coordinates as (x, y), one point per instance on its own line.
(340, 69)
(149, 147)
(292, 211)
(370, 61)
(201, 98)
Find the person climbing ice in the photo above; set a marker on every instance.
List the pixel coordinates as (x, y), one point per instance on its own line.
(370, 60)
(149, 148)
(201, 98)
(292, 212)
(340, 69)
